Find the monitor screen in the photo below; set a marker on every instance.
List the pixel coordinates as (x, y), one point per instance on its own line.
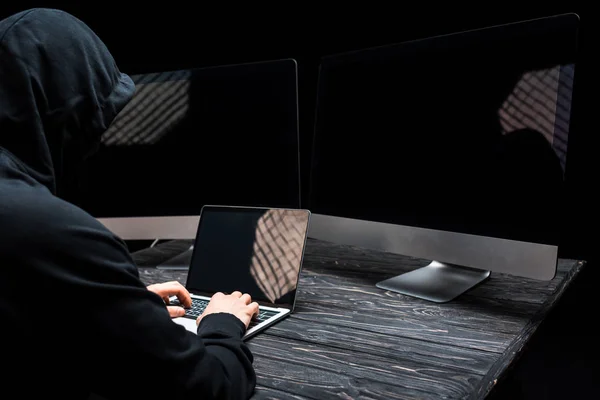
(464, 133)
(254, 251)
(219, 135)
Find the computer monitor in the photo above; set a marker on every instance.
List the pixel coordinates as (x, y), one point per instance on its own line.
(217, 135)
(451, 149)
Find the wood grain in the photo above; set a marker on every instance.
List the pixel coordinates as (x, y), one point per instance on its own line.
(161, 253)
(360, 341)
(268, 393)
(325, 290)
(515, 348)
(431, 330)
(402, 371)
(348, 339)
(153, 275)
(319, 384)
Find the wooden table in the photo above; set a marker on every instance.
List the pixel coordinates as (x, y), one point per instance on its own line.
(348, 339)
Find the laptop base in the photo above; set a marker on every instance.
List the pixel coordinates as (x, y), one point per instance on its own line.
(275, 315)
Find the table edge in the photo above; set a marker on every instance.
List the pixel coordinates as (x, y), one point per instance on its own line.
(512, 353)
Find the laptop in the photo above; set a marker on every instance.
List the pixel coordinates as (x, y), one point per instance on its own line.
(253, 250)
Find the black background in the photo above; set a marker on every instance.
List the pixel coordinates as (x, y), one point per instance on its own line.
(152, 37)
(149, 37)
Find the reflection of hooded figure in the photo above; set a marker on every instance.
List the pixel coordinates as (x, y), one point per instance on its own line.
(525, 176)
(520, 176)
(75, 317)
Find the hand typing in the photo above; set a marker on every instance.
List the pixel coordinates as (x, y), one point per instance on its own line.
(236, 303)
(173, 288)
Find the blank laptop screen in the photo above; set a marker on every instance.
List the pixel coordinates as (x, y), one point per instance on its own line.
(255, 251)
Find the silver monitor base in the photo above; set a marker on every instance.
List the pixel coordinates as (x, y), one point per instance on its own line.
(435, 282)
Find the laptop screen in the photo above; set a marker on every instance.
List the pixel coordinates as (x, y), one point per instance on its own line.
(253, 250)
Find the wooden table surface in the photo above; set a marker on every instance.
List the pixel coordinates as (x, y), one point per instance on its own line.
(348, 339)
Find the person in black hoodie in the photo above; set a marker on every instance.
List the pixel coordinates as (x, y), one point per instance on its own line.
(75, 319)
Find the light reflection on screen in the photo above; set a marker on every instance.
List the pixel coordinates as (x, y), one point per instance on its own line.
(255, 251)
(277, 253)
(159, 104)
(541, 101)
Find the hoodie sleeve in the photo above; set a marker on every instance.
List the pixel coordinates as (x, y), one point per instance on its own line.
(123, 334)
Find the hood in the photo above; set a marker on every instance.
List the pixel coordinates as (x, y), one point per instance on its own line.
(60, 89)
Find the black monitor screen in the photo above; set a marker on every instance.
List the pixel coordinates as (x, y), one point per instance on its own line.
(254, 251)
(464, 133)
(219, 135)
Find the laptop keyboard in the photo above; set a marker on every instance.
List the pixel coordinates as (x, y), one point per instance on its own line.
(263, 315)
(196, 309)
(198, 306)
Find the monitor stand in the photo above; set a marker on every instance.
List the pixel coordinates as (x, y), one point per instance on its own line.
(180, 262)
(437, 282)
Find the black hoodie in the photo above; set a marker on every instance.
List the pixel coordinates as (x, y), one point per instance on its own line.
(74, 316)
